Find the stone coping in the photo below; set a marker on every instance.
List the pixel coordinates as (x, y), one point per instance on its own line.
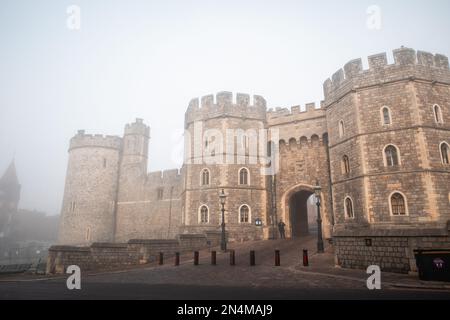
(153, 241)
(433, 232)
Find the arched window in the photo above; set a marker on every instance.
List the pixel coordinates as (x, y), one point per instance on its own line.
(243, 176)
(445, 152)
(398, 204)
(386, 116)
(345, 165)
(205, 177)
(204, 215)
(391, 155)
(348, 206)
(341, 129)
(88, 234)
(244, 214)
(438, 114)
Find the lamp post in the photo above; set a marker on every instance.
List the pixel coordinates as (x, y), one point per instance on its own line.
(317, 190)
(223, 243)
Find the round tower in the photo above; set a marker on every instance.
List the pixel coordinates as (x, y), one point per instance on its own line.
(87, 213)
(222, 152)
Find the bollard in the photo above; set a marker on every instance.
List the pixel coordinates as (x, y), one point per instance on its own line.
(277, 258)
(213, 258)
(232, 258)
(161, 258)
(196, 258)
(252, 258)
(305, 258)
(177, 258)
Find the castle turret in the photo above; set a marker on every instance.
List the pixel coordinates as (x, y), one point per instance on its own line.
(87, 213)
(222, 152)
(135, 147)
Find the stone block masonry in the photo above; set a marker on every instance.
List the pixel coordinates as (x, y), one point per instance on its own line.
(104, 256)
(377, 146)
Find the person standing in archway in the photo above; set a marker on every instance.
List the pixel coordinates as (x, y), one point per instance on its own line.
(281, 226)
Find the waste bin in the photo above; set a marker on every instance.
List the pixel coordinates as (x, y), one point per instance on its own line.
(433, 264)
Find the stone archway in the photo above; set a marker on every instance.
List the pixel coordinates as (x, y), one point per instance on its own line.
(294, 210)
(298, 213)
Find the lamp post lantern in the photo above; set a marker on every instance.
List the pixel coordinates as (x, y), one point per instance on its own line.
(317, 191)
(223, 242)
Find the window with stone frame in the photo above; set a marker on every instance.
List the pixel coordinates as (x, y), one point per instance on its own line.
(341, 129)
(386, 114)
(205, 177)
(244, 214)
(345, 165)
(160, 193)
(391, 156)
(445, 153)
(204, 215)
(398, 204)
(438, 114)
(348, 206)
(243, 176)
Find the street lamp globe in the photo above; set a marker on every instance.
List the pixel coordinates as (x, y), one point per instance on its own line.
(222, 197)
(317, 190)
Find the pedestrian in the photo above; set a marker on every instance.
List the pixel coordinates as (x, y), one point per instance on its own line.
(281, 226)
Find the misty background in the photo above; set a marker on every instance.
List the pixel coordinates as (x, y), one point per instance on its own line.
(147, 59)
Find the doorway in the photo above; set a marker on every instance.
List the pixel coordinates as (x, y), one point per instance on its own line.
(303, 214)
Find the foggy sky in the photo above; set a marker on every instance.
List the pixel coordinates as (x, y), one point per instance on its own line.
(147, 59)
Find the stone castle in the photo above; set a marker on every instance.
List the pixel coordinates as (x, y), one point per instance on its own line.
(378, 145)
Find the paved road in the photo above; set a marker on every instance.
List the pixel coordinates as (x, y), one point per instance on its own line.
(137, 291)
(188, 282)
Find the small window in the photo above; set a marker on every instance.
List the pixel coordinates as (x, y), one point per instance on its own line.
(72, 206)
(341, 129)
(391, 156)
(204, 215)
(345, 165)
(243, 176)
(398, 204)
(205, 177)
(88, 234)
(244, 214)
(445, 153)
(269, 148)
(160, 193)
(386, 116)
(348, 206)
(104, 162)
(438, 114)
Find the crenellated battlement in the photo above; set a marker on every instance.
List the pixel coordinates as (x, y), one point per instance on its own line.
(225, 104)
(407, 64)
(83, 140)
(296, 113)
(137, 128)
(166, 177)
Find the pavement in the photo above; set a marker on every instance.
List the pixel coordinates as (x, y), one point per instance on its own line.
(321, 280)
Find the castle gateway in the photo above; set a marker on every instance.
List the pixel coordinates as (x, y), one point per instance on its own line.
(378, 145)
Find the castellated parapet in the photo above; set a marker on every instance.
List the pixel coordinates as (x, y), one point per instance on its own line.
(137, 128)
(207, 108)
(408, 64)
(83, 140)
(166, 177)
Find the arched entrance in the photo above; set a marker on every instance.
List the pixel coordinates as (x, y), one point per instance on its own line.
(299, 211)
(302, 213)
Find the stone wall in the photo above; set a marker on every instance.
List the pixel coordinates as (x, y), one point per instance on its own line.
(104, 256)
(392, 250)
